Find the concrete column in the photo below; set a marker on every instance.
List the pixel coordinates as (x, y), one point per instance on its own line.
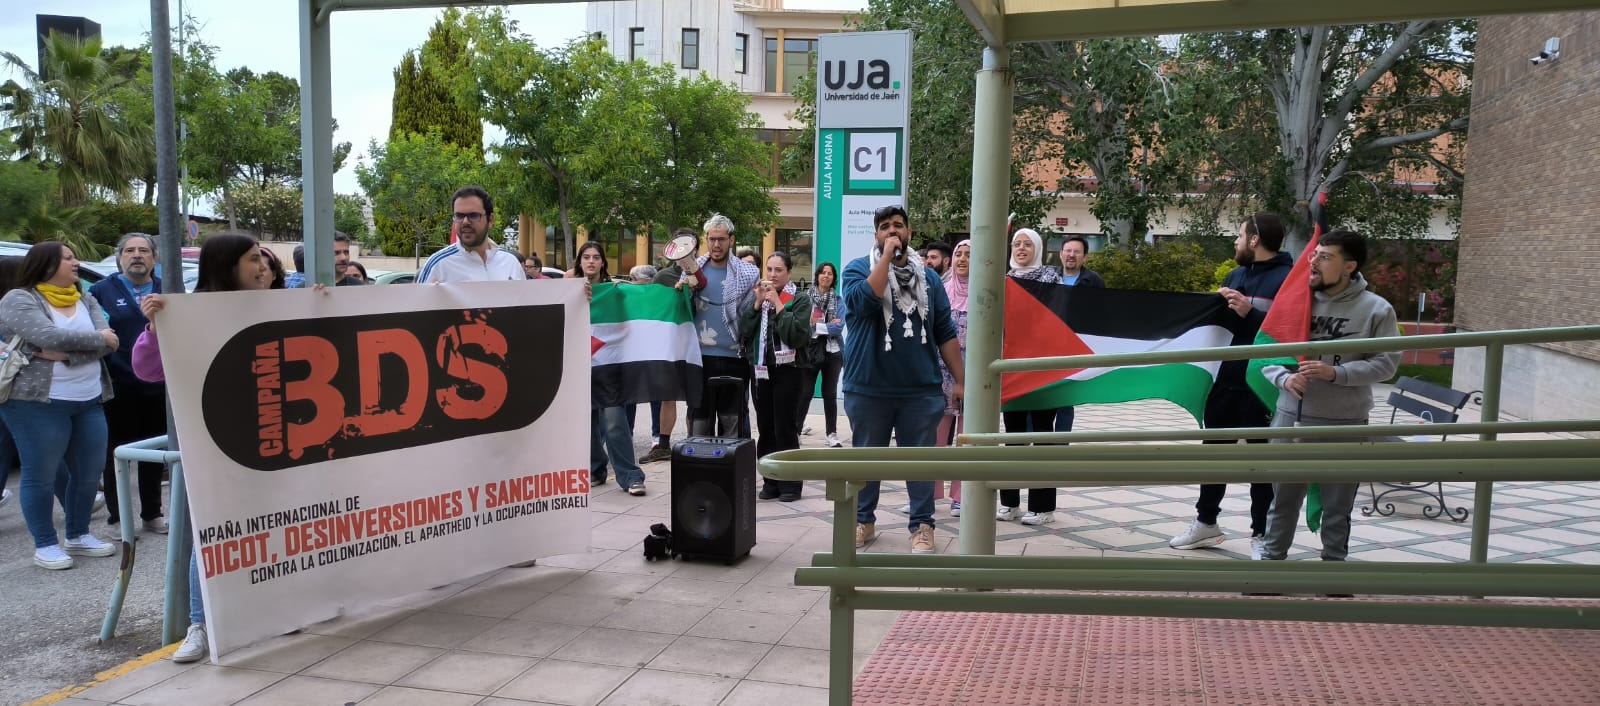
(991, 196)
(540, 242)
(769, 243)
(316, 142)
(641, 246)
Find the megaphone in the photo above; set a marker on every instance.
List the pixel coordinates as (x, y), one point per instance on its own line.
(681, 250)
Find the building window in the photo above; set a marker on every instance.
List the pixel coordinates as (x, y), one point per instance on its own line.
(799, 58)
(635, 43)
(781, 141)
(771, 85)
(741, 61)
(691, 49)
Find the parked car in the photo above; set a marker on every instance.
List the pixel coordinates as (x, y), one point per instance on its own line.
(391, 277)
(91, 272)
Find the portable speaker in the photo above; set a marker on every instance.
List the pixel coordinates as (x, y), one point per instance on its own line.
(713, 497)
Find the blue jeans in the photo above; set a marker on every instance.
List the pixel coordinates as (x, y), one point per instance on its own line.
(48, 434)
(197, 607)
(655, 417)
(912, 421)
(609, 437)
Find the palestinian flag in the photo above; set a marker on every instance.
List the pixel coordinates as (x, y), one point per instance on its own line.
(1289, 321)
(645, 345)
(1045, 319)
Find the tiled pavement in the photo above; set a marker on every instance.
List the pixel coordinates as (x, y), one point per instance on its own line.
(607, 627)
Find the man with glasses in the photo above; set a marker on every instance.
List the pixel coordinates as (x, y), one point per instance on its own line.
(1330, 390)
(474, 257)
(1249, 290)
(898, 316)
(729, 290)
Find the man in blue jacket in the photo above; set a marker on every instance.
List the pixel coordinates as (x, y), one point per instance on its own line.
(137, 409)
(1249, 289)
(898, 319)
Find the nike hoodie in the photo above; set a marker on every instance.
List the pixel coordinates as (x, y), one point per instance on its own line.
(1352, 313)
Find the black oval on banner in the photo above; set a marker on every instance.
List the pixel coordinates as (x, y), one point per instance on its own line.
(282, 394)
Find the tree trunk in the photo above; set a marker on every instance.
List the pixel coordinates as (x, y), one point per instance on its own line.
(233, 213)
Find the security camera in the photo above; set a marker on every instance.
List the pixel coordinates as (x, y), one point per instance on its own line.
(1552, 51)
(1540, 59)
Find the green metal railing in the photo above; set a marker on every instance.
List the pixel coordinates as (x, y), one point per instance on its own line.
(880, 581)
(180, 542)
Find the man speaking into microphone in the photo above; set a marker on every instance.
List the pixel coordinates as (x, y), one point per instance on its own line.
(898, 316)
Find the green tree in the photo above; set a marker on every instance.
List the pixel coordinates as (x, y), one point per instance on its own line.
(25, 188)
(1359, 110)
(410, 182)
(271, 209)
(1167, 266)
(249, 133)
(72, 120)
(537, 97)
(423, 93)
(347, 215)
(670, 150)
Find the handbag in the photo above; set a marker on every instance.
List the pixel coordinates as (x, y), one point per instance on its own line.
(12, 361)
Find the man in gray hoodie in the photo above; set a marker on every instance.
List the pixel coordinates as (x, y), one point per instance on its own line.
(1333, 390)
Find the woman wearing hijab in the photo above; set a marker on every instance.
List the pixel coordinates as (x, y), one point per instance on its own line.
(956, 289)
(1027, 263)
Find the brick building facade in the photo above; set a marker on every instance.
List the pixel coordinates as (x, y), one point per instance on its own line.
(1528, 255)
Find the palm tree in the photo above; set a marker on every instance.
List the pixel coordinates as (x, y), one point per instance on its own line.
(72, 120)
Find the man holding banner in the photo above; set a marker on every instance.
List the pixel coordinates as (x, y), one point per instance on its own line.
(1333, 390)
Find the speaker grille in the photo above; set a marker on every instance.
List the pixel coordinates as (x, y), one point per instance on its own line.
(704, 510)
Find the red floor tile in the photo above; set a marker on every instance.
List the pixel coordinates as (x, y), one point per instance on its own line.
(1002, 659)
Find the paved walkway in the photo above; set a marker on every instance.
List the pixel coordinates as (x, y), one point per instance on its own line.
(607, 627)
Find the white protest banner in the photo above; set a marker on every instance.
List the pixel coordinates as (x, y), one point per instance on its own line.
(349, 446)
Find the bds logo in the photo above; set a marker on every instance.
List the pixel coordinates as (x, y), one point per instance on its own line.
(282, 394)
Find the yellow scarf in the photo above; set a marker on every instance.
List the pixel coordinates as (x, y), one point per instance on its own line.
(59, 296)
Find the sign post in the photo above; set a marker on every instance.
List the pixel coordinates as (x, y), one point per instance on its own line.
(863, 120)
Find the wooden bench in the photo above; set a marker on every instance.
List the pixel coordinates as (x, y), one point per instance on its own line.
(1429, 404)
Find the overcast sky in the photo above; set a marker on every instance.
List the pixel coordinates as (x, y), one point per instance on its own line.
(263, 35)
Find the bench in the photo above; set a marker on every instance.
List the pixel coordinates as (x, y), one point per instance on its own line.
(1430, 404)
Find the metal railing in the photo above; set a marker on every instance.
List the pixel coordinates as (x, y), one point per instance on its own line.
(870, 581)
(180, 541)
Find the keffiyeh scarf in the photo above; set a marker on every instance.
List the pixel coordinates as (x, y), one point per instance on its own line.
(907, 291)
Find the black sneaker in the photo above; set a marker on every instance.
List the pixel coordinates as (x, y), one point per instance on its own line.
(768, 493)
(597, 479)
(656, 453)
(788, 497)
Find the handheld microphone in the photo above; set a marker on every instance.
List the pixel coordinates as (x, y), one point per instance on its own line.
(896, 254)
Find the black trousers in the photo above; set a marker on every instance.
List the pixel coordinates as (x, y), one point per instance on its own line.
(776, 401)
(705, 415)
(828, 369)
(130, 417)
(1039, 499)
(1235, 407)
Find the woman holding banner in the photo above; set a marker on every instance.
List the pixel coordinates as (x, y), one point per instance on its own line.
(229, 262)
(776, 334)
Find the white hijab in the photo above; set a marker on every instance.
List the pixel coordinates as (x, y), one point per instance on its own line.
(1018, 268)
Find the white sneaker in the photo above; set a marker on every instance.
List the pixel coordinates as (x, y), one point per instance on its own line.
(833, 441)
(1006, 514)
(1198, 535)
(157, 525)
(99, 500)
(1039, 518)
(52, 558)
(806, 431)
(194, 645)
(955, 509)
(88, 545)
(5, 496)
(905, 509)
(1258, 544)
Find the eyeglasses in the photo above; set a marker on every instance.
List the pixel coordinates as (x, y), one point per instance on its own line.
(474, 216)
